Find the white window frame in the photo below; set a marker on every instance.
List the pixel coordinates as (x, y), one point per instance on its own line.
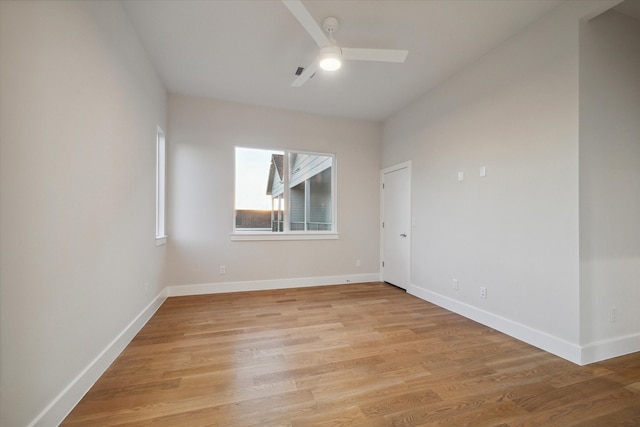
(161, 169)
(287, 234)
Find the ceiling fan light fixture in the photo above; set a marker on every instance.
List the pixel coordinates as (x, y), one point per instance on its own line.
(330, 58)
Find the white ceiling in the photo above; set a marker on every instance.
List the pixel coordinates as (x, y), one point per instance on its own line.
(630, 8)
(248, 50)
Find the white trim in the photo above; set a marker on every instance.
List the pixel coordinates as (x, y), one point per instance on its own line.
(607, 349)
(308, 235)
(68, 398)
(161, 181)
(161, 240)
(399, 166)
(263, 285)
(554, 345)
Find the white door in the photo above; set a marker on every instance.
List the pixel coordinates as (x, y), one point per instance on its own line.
(396, 225)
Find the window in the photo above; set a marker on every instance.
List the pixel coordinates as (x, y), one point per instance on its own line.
(284, 193)
(160, 187)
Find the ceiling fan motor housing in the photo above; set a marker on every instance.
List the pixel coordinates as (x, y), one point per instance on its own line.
(331, 25)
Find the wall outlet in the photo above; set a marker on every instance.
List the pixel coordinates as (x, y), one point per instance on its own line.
(358, 263)
(613, 315)
(456, 285)
(223, 270)
(460, 176)
(483, 292)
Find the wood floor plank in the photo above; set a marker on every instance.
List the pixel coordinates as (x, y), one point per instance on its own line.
(351, 355)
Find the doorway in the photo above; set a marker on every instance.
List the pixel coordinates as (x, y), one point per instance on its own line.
(395, 252)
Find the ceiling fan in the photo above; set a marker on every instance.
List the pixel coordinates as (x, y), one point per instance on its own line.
(331, 55)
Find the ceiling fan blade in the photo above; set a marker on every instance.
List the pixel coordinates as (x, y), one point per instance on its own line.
(303, 16)
(380, 55)
(305, 75)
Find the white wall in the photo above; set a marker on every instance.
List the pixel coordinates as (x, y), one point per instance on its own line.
(515, 231)
(610, 183)
(203, 134)
(79, 108)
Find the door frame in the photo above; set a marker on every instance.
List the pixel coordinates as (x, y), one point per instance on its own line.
(399, 166)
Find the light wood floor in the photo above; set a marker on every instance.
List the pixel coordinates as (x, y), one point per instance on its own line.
(353, 355)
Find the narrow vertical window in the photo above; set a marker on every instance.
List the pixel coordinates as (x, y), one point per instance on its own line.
(160, 187)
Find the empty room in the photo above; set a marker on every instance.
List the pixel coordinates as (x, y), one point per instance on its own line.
(319, 212)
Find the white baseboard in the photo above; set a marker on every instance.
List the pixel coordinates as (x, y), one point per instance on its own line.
(62, 405)
(607, 349)
(554, 345)
(263, 285)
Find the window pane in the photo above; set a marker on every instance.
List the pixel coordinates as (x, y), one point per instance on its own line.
(259, 204)
(320, 208)
(310, 194)
(160, 183)
(297, 204)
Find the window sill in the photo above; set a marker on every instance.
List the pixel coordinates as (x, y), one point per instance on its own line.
(238, 237)
(161, 240)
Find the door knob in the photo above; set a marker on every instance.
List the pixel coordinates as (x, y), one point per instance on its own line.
(403, 235)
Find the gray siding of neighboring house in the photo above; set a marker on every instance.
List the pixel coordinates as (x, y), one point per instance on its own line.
(307, 165)
(277, 188)
(297, 201)
(276, 182)
(321, 209)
